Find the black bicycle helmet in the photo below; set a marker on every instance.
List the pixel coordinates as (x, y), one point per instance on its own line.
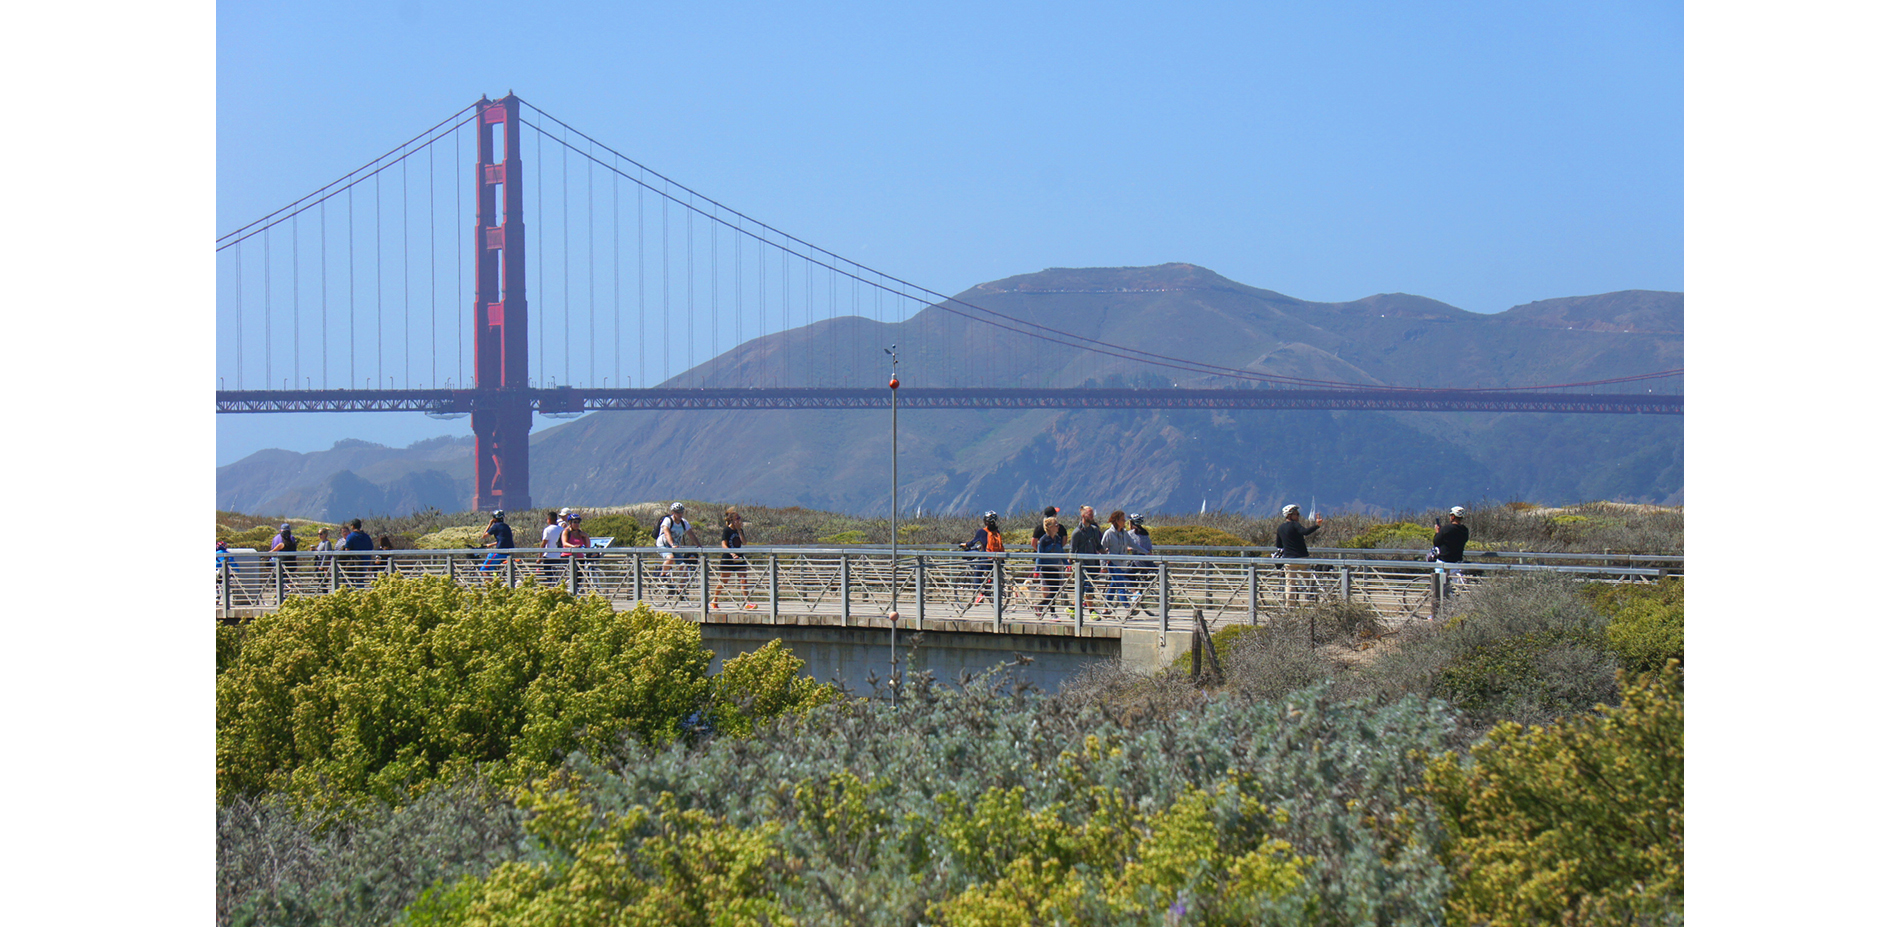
(990, 517)
(1137, 519)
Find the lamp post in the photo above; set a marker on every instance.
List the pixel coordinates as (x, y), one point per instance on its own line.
(892, 615)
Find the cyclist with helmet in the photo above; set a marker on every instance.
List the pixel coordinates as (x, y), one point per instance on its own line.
(676, 531)
(988, 537)
(499, 536)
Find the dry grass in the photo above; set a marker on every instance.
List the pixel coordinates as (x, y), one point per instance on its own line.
(1595, 527)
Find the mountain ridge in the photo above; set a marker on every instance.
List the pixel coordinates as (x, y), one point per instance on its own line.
(970, 460)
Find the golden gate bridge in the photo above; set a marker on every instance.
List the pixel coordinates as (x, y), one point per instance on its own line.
(681, 276)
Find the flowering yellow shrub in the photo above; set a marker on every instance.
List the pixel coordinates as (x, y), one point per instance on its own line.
(1578, 822)
(382, 691)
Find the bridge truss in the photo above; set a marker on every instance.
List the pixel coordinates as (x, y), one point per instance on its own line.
(559, 400)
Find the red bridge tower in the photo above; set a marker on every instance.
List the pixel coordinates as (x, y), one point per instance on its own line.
(502, 415)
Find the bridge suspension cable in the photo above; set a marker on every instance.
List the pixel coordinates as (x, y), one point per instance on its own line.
(330, 189)
(904, 289)
(819, 354)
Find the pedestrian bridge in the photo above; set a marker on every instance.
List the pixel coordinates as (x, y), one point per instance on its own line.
(963, 610)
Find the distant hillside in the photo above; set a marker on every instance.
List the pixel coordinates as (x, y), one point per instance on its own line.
(351, 479)
(969, 461)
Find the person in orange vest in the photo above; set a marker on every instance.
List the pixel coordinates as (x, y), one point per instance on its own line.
(988, 537)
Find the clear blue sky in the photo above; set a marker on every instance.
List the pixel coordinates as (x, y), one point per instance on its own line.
(1789, 141)
(1484, 154)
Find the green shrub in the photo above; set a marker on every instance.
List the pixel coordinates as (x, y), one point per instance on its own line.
(1388, 535)
(1521, 647)
(1646, 622)
(1212, 853)
(660, 865)
(230, 641)
(853, 536)
(1580, 822)
(461, 537)
(381, 692)
(755, 687)
(969, 803)
(1195, 535)
(633, 530)
(1516, 673)
(278, 867)
(258, 537)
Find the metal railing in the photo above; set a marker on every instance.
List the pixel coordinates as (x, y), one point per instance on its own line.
(980, 589)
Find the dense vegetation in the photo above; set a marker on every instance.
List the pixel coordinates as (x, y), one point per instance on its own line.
(402, 755)
(1596, 527)
(384, 692)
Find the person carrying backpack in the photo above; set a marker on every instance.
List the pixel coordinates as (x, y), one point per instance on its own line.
(989, 538)
(675, 531)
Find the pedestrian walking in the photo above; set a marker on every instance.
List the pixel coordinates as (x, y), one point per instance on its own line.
(551, 548)
(323, 546)
(1115, 544)
(1086, 540)
(732, 565)
(385, 563)
(357, 567)
(1062, 530)
(1049, 565)
(1141, 569)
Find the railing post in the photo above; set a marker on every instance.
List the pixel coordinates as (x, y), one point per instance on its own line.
(509, 565)
(1253, 592)
(996, 590)
(277, 578)
(1438, 591)
(705, 586)
(332, 573)
(639, 564)
(844, 588)
(1162, 567)
(574, 576)
(771, 579)
(920, 592)
(1345, 584)
(1075, 570)
(224, 592)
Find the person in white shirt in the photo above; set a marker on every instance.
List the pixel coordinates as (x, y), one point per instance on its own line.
(551, 544)
(676, 531)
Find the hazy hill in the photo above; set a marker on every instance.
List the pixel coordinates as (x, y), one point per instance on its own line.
(969, 461)
(352, 478)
